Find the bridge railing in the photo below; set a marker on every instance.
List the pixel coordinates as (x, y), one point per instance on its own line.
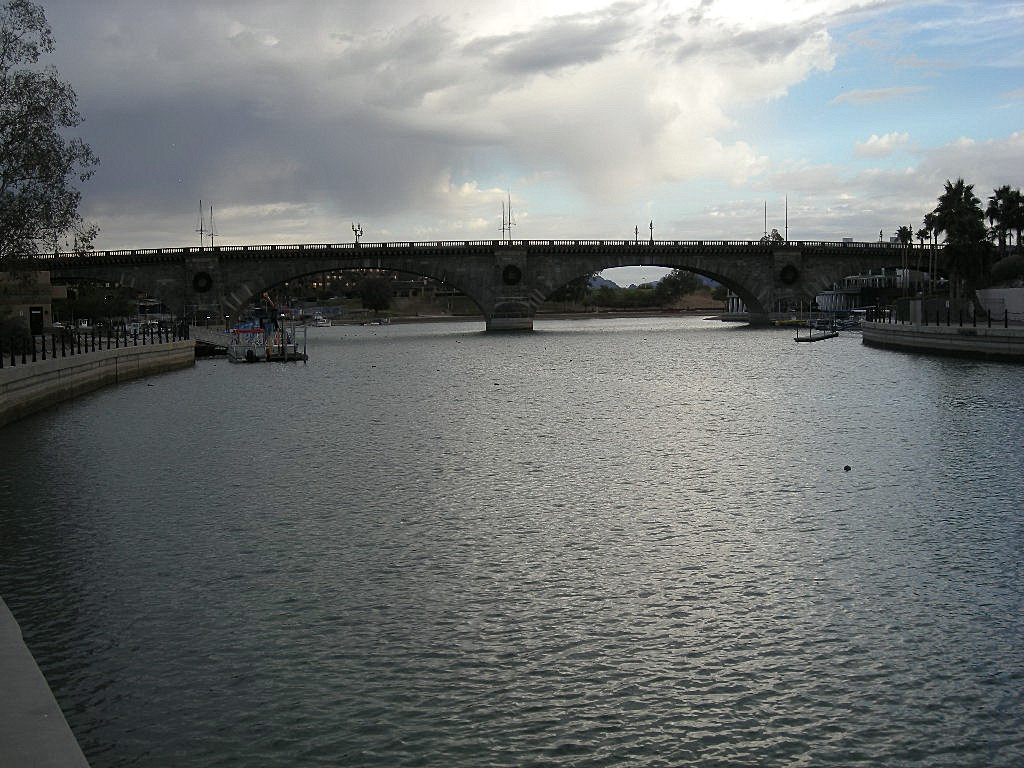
(444, 244)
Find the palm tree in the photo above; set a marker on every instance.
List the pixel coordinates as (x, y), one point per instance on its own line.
(922, 234)
(958, 214)
(1015, 214)
(999, 213)
(905, 236)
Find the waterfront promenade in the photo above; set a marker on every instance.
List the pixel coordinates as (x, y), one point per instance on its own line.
(996, 342)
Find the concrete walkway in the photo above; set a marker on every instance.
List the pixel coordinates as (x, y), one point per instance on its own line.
(995, 343)
(33, 731)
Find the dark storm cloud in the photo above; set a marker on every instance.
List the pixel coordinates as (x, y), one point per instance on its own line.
(557, 44)
(178, 112)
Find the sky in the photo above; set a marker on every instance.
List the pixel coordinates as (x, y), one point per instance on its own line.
(419, 119)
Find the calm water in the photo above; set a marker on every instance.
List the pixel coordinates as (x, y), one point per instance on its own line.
(607, 543)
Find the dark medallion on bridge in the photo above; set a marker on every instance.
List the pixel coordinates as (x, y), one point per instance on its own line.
(202, 282)
(789, 274)
(511, 275)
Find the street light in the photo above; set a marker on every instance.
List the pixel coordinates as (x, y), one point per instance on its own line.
(357, 230)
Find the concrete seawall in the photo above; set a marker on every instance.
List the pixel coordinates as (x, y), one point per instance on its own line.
(25, 389)
(995, 343)
(33, 731)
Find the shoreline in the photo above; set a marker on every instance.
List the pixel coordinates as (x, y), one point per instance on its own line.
(610, 314)
(1005, 344)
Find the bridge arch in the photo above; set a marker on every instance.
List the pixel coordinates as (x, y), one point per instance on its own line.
(739, 288)
(257, 290)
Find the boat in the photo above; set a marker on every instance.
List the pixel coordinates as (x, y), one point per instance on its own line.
(262, 341)
(817, 336)
(817, 331)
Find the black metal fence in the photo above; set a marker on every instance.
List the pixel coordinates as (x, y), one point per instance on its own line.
(30, 348)
(947, 316)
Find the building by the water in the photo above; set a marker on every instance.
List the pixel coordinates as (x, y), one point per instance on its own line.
(28, 297)
(876, 287)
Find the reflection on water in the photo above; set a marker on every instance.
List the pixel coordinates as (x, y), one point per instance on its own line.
(606, 543)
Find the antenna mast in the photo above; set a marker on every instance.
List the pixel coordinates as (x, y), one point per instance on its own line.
(202, 229)
(213, 229)
(507, 222)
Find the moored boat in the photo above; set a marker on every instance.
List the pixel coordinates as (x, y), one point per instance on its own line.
(252, 343)
(817, 336)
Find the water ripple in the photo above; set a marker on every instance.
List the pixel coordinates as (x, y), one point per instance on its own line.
(602, 544)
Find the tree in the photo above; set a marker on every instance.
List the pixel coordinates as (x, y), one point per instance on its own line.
(922, 235)
(38, 204)
(905, 237)
(958, 214)
(575, 291)
(676, 283)
(1005, 213)
(375, 293)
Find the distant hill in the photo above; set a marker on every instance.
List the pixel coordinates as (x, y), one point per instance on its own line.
(597, 282)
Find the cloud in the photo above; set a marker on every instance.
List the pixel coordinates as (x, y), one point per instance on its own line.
(859, 96)
(828, 201)
(882, 146)
(913, 61)
(551, 46)
(1012, 98)
(417, 116)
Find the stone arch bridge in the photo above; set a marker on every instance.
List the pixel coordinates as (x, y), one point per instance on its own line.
(507, 279)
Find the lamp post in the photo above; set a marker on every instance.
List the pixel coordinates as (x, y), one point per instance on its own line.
(357, 230)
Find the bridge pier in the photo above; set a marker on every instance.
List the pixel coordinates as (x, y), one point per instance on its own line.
(509, 324)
